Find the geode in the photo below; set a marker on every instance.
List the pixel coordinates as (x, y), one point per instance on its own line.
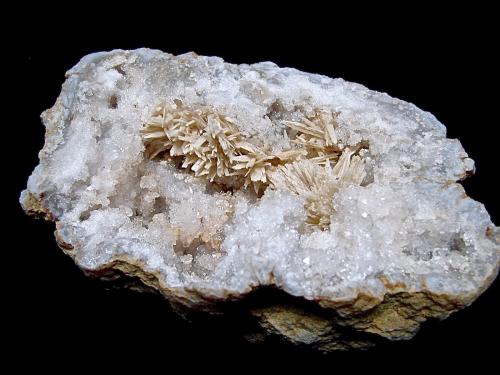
(206, 181)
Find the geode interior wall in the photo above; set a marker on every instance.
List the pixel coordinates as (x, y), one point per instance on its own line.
(208, 180)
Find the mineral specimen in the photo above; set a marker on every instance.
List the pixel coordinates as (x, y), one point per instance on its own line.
(207, 181)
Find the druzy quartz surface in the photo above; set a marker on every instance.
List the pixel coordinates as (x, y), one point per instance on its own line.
(207, 181)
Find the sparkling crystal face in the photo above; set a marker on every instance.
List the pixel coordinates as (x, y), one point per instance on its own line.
(215, 179)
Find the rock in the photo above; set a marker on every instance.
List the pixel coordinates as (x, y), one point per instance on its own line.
(207, 181)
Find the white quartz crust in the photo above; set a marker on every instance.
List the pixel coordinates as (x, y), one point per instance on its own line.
(412, 225)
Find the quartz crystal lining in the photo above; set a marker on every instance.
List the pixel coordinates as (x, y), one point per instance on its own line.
(208, 180)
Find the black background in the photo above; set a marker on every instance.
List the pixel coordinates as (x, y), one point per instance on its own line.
(445, 63)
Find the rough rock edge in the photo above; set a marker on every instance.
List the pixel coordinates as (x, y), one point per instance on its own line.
(397, 316)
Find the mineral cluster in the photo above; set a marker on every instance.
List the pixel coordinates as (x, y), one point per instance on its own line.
(207, 181)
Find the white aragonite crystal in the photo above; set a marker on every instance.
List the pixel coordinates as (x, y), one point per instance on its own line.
(208, 180)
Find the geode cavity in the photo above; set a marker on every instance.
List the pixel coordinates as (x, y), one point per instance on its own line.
(208, 180)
